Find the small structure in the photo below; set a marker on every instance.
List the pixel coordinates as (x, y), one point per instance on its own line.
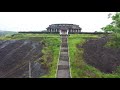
(64, 29)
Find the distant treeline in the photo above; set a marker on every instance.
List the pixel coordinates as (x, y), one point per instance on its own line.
(4, 33)
(69, 32)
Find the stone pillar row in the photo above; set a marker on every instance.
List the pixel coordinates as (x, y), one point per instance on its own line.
(56, 30)
(76, 30)
(53, 30)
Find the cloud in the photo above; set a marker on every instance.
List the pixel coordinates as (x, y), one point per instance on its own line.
(37, 21)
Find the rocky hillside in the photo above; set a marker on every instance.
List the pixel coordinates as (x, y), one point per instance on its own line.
(103, 58)
(17, 57)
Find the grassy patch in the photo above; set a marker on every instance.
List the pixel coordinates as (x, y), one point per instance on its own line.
(53, 44)
(73, 41)
(79, 69)
(27, 36)
(114, 42)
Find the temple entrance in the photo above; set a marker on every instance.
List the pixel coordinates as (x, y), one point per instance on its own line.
(64, 32)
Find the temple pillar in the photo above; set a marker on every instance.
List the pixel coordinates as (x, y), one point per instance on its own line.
(60, 32)
(79, 30)
(67, 32)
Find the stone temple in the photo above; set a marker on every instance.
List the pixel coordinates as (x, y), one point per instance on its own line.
(64, 29)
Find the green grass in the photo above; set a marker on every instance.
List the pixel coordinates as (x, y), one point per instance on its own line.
(79, 69)
(27, 36)
(114, 42)
(54, 45)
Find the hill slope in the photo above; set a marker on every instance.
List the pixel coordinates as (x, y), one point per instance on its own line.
(15, 56)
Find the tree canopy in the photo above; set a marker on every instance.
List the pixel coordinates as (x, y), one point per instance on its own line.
(114, 26)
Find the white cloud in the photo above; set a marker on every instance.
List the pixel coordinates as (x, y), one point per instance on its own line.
(37, 21)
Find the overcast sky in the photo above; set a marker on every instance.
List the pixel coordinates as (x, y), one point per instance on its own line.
(37, 21)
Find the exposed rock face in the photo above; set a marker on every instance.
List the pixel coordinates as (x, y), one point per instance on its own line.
(15, 56)
(104, 59)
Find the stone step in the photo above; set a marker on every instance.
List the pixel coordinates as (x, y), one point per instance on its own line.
(64, 58)
(63, 74)
(61, 62)
(64, 41)
(64, 38)
(63, 35)
(64, 53)
(63, 67)
(64, 50)
(64, 45)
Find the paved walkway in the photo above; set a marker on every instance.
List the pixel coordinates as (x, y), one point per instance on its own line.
(63, 70)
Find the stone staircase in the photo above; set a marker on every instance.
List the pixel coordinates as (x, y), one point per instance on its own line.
(63, 70)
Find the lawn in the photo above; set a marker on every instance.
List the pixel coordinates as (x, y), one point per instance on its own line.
(79, 69)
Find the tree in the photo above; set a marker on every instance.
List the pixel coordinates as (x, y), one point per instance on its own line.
(114, 27)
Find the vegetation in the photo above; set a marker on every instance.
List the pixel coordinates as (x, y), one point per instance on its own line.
(50, 51)
(114, 27)
(5, 33)
(79, 69)
(27, 36)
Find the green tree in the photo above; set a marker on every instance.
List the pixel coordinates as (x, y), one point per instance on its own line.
(114, 27)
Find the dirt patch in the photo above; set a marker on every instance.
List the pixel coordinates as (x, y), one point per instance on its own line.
(15, 56)
(102, 58)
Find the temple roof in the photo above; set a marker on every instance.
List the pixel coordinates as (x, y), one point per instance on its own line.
(63, 26)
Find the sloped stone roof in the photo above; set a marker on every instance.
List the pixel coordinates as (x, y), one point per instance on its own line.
(63, 26)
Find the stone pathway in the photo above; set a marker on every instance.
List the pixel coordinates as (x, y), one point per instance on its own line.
(63, 70)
